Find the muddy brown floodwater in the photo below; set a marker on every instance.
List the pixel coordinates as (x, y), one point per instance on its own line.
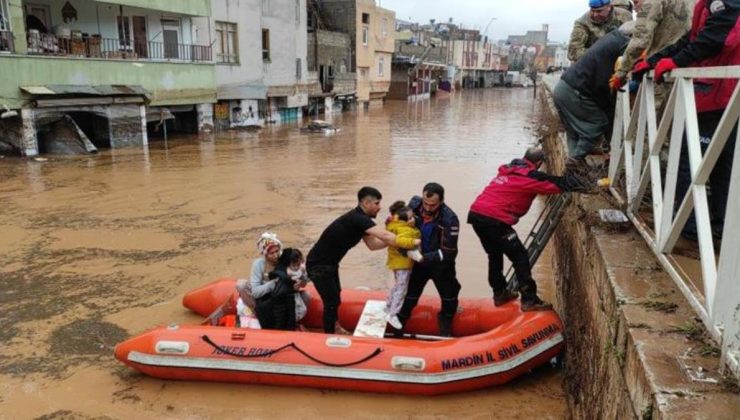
(96, 249)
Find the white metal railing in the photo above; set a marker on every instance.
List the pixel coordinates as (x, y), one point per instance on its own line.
(637, 141)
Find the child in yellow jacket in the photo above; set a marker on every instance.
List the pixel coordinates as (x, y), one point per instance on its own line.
(408, 237)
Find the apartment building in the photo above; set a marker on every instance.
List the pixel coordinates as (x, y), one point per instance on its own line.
(118, 69)
(260, 55)
(371, 31)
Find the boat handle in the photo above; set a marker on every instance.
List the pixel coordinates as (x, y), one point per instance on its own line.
(224, 350)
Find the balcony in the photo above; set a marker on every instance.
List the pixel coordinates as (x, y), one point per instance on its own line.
(111, 48)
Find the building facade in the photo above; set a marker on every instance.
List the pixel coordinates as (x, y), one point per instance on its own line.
(114, 68)
(371, 32)
(419, 63)
(260, 55)
(329, 61)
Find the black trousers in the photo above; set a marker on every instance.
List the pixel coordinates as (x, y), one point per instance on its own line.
(444, 276)
(326, 280)
(499, 239)
(719, 179)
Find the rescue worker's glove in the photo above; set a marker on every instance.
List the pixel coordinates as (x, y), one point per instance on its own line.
(640, 68)
(664, 66)
(415, 255)
(616, 81)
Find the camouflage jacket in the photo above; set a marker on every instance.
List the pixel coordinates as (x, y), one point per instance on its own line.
(586, 32)
(659, 23)
(624, 4)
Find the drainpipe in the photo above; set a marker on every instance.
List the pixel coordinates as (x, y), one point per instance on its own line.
(97, 16)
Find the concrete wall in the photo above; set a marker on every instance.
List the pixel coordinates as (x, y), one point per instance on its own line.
(249, 69)
(287, 25)
(169, 83)
(186, 7)
(375, 57)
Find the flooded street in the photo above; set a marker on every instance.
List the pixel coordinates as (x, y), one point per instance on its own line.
(98, 248)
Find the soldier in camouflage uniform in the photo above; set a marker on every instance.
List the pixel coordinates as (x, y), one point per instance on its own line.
(659, 23)
(594, 24)
(624, 4)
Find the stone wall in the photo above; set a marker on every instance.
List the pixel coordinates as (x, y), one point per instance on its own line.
(333, 50)
(341, 16)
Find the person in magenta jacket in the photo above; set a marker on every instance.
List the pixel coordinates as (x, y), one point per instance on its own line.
(499, 206)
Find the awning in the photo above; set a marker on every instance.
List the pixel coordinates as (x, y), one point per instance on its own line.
(97, 90)
(52, 96)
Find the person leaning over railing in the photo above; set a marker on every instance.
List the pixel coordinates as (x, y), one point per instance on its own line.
(583, 99)
(602, 17)
(659, 23)
(714, 40)
(499, 206)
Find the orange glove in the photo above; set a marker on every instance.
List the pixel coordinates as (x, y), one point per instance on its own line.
(616, 82)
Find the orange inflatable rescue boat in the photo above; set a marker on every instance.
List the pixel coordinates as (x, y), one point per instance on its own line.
(491, 346)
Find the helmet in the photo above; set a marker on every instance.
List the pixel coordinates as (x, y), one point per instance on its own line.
(595, 4)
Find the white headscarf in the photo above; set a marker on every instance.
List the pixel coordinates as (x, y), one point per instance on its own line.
(268, 240)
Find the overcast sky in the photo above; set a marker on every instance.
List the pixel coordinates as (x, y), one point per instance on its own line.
(512, 17)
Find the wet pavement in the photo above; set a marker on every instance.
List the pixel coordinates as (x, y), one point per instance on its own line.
(97, 248)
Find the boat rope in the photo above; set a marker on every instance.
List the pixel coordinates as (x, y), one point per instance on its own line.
(225, 350)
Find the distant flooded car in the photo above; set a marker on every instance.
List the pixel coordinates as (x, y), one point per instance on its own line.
(318, 126)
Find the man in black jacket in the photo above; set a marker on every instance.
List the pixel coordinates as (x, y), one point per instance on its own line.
(582, 96)
(439, 232)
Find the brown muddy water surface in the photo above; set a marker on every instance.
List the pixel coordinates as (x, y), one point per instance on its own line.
(96, 249)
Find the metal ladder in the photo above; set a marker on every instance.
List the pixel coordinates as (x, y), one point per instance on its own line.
(541, 232)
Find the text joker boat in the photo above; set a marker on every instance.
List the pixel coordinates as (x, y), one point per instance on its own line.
(491, 347)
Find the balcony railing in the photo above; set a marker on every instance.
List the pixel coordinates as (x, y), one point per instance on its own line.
(6, 41)
(111, 48)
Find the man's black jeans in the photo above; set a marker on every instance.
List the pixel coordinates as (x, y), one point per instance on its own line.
(326, 280)
(444, 276)
(499, 239)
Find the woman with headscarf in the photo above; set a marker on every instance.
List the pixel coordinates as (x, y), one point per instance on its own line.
(257, 286)
(270, 248)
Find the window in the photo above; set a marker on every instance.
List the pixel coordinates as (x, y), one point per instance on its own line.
(381, 66)
(365, 18)
(384, 28)
(297, 12)
(310, 22)
(4, 16)
(364, 35)
(124, 32)
(265, 7)
(171, 37)
(265, 45)
(298, 69)
(226, 43)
